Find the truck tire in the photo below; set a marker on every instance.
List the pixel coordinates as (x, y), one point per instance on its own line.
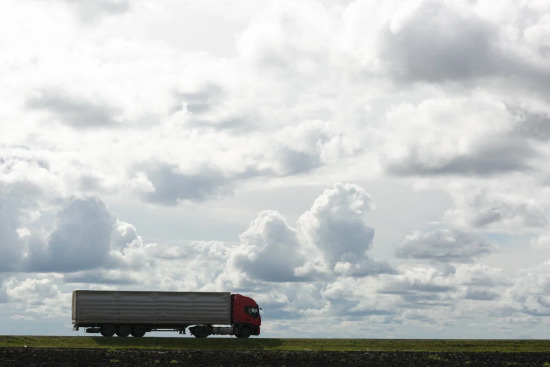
(138, 331)
(123, 331)
(107, 330)
(244, 332)
(202, 332)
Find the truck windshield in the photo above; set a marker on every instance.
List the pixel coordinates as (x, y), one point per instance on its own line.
(252, 311)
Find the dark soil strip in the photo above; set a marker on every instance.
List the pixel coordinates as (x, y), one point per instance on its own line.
(40, 357)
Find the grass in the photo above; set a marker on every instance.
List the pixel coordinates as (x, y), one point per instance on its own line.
(427, 345)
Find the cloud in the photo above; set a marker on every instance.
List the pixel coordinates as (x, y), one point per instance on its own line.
(80, 241)
(330, 240)
(107, 101)
(123, 234)
(534, 125)
(3, 295)
(481, 295)
(469, 289)
(139, 265)
(25, 175)
(506, 155)
(462, 43)
(354, 267)
(336, 236)
(74, 111)
(437, 42)
(455, 136)
(480, 282)
(529, 294)
(91, 12)
(11, 247)
(299, 148)
(294, 162)
(288, 39)
(505, 211)
(201, 101)
(170, 186)
(444, 246)
(104, 277)
(269, 250)
(347, 297)
(419, 285)
(542, 241)
(44, 237)
(334, 225)
(41, 298)
(480, 275)
(35, 291)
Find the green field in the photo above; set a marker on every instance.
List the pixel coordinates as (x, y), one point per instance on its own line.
(459, 345)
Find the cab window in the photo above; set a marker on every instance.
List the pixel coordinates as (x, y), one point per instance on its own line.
(252, 311)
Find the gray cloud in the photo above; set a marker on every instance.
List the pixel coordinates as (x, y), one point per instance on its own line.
(479, 276)
(94, 277)
(438, 43)
(93, 11)
(444, 246)
(81, 240)
(338, 237)
(72, 111)
(203, 100)
(529, 293)
(299, 148)
(331, 240)
(362, 267)
(276, 72)
(494, 157)
(270, 249)
(412, 289)
(485, 209)
(335, 226)
(3, 294)
(494, 214)
(171, 186)
(11, 247)
(349, 310)
(208, 107)
(235, 124)
(534, 125)
(24, 176)
(346, 300)
(481, 294)
(295, 162)
(123, 234)
(279, 314)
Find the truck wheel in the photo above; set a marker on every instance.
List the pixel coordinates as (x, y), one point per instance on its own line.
(244, 332)
(107, 330)
(123, 331)
(202, 332)
(138, 331)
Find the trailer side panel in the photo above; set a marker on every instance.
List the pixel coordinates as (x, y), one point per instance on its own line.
(160, 308)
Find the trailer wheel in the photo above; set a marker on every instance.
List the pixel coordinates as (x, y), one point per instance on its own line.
(123, 331)
(138, 331)
(107, 330)
(244, 332)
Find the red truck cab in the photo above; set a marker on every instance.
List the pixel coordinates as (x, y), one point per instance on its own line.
(246, 319)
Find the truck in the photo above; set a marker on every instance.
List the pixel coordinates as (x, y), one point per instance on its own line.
(135, 313)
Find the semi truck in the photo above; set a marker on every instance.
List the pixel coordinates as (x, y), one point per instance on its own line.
(135, 313)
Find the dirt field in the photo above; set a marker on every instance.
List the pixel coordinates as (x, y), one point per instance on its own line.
(34, 357)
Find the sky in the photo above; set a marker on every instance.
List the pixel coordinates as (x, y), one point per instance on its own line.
(360, 168)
